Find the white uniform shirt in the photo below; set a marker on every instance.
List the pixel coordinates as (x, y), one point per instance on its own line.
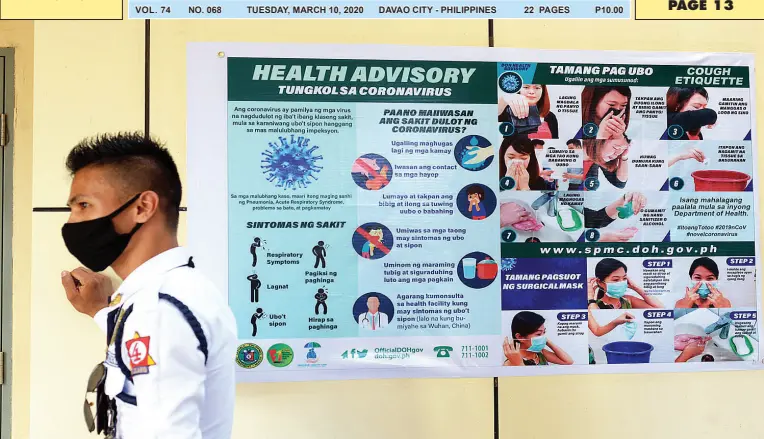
(174, 393)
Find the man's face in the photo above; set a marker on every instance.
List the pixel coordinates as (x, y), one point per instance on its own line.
(93, 196)
(373, 304)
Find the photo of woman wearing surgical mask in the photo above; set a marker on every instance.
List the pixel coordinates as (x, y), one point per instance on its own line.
(529, 345)
(687, 107)
(608, 288)
(608, 109)
(530, 106)
(605, 161)
(702, 290)
(518, 161)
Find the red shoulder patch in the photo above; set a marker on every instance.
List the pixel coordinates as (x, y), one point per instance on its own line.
(138, 351)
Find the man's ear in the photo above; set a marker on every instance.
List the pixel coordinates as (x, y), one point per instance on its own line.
(148, 205)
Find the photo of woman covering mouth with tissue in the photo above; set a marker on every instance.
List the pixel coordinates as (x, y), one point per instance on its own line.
(529, 345)
(611, 285)
(703, 290)
(608, 109)
(520, 166)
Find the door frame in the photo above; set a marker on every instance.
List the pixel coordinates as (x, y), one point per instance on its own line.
(6, 234)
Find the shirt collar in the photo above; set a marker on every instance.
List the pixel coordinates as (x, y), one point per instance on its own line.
(151, 269)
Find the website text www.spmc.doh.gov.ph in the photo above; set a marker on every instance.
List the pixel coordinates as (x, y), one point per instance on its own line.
(676, 249)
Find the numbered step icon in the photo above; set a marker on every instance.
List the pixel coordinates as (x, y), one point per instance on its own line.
(507, 129)
(675, 132)
(590, 130)
(508, 235)
(676, 183)
(592, 235)
(507, 183)
(592, 184)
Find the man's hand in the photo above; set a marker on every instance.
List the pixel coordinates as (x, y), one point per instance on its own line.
(88, 292)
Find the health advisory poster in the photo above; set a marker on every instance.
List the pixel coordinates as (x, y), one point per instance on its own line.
(412, 212)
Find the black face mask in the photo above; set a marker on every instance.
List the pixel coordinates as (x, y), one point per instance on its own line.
(95, 243)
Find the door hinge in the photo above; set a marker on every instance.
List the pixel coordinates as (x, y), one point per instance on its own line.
(3, 129)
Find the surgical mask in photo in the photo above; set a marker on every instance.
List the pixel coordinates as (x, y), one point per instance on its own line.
(537, 344)
(630, 329)
(617, 290)
(703, 290)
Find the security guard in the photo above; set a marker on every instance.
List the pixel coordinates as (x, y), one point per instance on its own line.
(168, 371)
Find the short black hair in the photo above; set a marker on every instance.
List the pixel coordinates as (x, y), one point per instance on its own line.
(475, 189)
(535, 142)
(707, 263)
(607, 266)
(139, 162)
(525, 323)
(575, 142)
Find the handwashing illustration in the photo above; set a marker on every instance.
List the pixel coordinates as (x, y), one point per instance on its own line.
(715, 335)
(543, 217)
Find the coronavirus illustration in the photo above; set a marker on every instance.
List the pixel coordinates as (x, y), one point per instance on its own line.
(292, 163)
(510, 82)
(507, 264)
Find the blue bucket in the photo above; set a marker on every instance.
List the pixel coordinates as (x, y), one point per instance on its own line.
(627, 352)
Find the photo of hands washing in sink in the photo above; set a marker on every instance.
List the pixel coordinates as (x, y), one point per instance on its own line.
(710, 335)
(710, 166)
(711, 283)
(621, 337)
(611, 284)
(697, 113)
(541, 216)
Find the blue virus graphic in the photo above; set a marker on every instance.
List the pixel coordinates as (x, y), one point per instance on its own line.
(510, 82)
(292, 163)
(507, 264)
